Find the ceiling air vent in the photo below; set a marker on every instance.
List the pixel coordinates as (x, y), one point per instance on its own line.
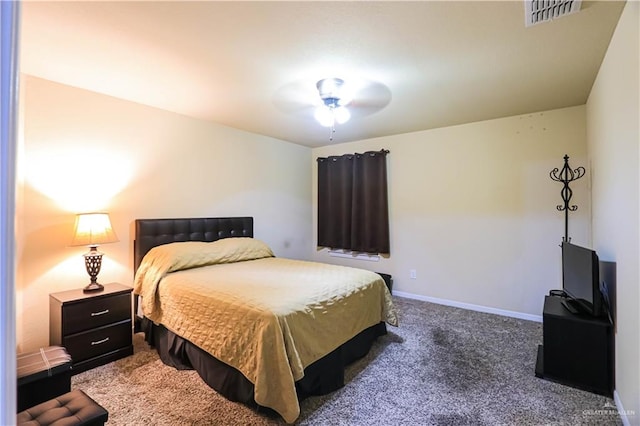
(537, 11)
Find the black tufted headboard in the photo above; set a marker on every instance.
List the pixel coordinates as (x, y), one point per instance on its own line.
(154, 232)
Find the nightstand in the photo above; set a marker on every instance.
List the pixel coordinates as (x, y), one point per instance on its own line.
(95, 328)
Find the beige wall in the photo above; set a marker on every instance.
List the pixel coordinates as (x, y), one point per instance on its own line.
(87, 152)
(473, 210)
(613, 143)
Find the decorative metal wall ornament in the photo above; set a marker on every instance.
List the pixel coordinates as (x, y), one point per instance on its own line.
(566, 175)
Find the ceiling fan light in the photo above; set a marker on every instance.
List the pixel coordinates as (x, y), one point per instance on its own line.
(345, 100)
(324, 116)
(341, 114)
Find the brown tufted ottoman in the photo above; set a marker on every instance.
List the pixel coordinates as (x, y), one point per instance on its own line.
(72, 408)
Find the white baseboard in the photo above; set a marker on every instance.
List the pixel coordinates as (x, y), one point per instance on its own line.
(469, 306)
(621, 411)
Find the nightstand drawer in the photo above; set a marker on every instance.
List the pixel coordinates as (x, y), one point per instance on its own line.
(82, 346)
(96, 312)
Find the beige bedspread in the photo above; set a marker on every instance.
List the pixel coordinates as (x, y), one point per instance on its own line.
(267, 317)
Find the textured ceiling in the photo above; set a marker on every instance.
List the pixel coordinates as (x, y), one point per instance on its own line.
(254, 65)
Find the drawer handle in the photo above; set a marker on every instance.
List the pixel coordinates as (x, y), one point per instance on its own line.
(95, 314)
(99, 342)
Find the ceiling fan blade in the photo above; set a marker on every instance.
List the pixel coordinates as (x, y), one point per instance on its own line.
(361, 98)
(374, 95)
(369, 99)
(297, 97)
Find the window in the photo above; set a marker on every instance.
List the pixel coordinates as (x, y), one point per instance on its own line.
(353, 211)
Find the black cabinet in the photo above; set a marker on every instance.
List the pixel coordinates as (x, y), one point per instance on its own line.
(95, 328)
(577, 349)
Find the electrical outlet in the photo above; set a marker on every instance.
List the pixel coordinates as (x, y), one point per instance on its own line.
(412, 274)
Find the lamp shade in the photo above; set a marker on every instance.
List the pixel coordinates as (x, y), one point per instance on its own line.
(93, 229)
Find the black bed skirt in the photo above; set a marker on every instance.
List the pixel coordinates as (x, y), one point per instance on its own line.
(322, 377)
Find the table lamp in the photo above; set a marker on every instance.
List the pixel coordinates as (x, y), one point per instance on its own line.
(93, 229)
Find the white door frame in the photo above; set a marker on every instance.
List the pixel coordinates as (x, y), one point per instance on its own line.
(9, 33)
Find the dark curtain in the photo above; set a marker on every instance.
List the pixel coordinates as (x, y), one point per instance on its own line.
(353, 212)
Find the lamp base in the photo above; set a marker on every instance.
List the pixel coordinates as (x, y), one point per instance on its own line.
(93, 262)
(92, 288)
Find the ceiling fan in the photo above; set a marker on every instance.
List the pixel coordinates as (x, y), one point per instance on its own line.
(334, 103)
(332, 100)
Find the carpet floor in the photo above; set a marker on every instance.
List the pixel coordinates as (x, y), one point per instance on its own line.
(442, 366)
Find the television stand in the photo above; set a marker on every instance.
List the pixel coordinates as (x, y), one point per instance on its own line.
(577, 349)
(571, 305)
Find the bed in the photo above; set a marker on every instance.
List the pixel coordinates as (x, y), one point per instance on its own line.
(261, 330)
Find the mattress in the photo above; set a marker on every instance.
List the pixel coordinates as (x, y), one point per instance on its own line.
(267, 317)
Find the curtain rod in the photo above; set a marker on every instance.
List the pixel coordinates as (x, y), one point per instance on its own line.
(382, 151)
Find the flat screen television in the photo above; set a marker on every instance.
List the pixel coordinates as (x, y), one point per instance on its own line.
(581, 280)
